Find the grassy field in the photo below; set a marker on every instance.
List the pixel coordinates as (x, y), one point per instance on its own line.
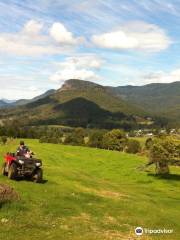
(90, 194)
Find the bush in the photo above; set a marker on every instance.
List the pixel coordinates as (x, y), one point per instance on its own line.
(114, 140)
(45, 139)
(4, 139)
(95, 139)
(148, 143)
(76, 137)
(133, 146)
(163, 150)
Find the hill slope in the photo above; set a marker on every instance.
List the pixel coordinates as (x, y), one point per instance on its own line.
(130, 102)
(90, 194)
(26, 101)
(77, 103)
(3, 104)
(156, 98)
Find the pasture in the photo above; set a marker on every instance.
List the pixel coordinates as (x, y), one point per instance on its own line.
(90, 194)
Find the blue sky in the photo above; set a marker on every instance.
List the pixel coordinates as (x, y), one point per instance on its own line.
(45, 42)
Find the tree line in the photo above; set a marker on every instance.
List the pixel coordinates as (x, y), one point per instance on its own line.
(115, 139)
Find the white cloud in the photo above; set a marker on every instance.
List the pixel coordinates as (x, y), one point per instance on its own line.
(116, 40)
(162, 77)
(61, 35)
(31, 42)
(18, 93)
(81, 67)
(21, 46)
(73, 73)
(33, 27)
(87, 61)
(134, 36)
(17, 86)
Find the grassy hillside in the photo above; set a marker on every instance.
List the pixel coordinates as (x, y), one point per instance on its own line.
(82, 103)
(158, 98)
(90, 194)
(77, 103)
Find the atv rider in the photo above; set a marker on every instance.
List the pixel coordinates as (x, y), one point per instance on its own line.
(23, 150)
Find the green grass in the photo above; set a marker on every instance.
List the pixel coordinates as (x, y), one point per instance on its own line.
(90, 194)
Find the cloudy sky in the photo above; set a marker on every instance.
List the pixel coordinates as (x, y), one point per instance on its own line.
(45, 42)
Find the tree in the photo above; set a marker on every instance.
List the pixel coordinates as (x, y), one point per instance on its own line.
(96, 138)
(114, 140)
(160, 156)
(148, 143)
(132, 146)
(163, 153)
(76, 137)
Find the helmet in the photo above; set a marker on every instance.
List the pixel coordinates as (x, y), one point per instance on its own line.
(21, 142)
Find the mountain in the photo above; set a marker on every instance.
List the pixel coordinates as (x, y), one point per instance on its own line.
(3, 104)
(78, 103)
(12, 103)
(7, 100)
(162, 99)
(96, 93)
(26, 101)
(87, 104)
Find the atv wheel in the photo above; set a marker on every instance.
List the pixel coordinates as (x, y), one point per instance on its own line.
(4, 173)
(12, 173)
(38, 176)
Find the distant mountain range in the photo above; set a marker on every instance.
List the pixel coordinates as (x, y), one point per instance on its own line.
(87, 104)
(162, 99)
(3, 103)
(12, 103)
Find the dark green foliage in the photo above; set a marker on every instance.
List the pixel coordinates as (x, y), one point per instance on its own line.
(96, 139)
(4, 139)
(164, 151)
(133, 146)
(114, 140)
(76, 137)
(158, 153)
(32, 132)
(77, 104)
(85, 104)
(45, 139)
(148, 143)
(159, 99)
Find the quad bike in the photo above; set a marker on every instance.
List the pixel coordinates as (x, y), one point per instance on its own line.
(21, 166)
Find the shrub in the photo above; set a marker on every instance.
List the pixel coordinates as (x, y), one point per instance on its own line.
(133, 146)
(4, 139)
(114, 140)
(162, 152)
(148, 143)
(95, 139)
(45, 139)
(76, 137)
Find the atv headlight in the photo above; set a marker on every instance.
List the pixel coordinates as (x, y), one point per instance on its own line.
(38, 164)
(21, 161)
